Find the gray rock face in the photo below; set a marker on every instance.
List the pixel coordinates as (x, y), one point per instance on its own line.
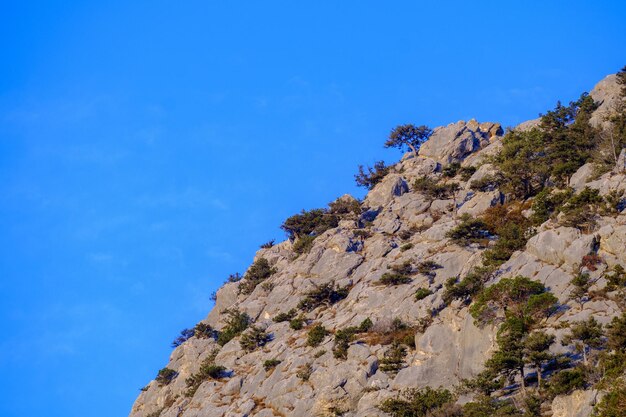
(620, 166)
(393, 185)
(479, 202)
(550, 246)
(606, 92)
(457, 140)
(449, 350)
(400, 225)
(528, 125)
(582, 176)
(577, 404)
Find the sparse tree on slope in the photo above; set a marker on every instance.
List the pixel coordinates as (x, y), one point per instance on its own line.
(585, 334)
(537, 351)
(408, 135)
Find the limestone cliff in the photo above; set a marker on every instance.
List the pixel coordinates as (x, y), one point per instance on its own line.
(395, 225)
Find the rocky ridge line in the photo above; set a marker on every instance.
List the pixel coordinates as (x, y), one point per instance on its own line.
(399, 225)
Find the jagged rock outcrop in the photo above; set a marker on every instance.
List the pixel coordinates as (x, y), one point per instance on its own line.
(457, 140)
(398, 225)
(607, 93)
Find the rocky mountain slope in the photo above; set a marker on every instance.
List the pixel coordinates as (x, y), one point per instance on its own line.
(374, 300)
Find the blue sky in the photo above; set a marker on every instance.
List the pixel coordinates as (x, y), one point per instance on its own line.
(147, 148)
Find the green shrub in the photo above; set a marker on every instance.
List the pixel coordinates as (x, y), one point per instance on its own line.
(554, 150)
(254, 338)
(304, 244)
(309, 223)
(398, 332)
(236, 277)
(393, 359)
(270, 364)
(297, 323)
(365, 325)
(268, 244)
(397, 324)
(257, 273)
(362, 233)
(485, 406)
(468, 287)
(414, 402)
(587, 196)
(165, 376)
(371, 177)
(185, 335)
(581, 283)
(487, 183)
(614, 202)
(566, 381)
(616, 278)
(580, 209)
(613, 365)
(616, 333)
(428, 267)
(405, 268)
(467, 172)
(450, 170)
(548, 202)
(236, 322)
(520, 296)
(326, 294)
(486, 382)
(305, 372)
(345, 207)
(406, 247)
(208, 370)
(391, 279)
(582, 218)
(408, 136)
(511, 238)
(423, 323)
(613, 403)
(345, 336)
(469, 231)
(316, 335)
(422, 293)
(288, 316)
(319, 353)
(342, 342)
(204, 331)
(431, 188)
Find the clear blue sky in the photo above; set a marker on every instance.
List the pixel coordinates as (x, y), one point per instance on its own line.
(148, 147)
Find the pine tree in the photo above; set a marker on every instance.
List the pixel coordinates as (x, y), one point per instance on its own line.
(408, 135)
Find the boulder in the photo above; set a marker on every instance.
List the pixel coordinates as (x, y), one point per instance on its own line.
(457, 140)
(582, 176)
(480, 202)
(393, 185)
(550, 245)
(417, 167)
(483, 171)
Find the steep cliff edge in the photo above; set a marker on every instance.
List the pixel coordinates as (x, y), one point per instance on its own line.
(369, 305)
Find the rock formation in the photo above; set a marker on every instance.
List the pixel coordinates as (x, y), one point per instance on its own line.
(398, 226)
